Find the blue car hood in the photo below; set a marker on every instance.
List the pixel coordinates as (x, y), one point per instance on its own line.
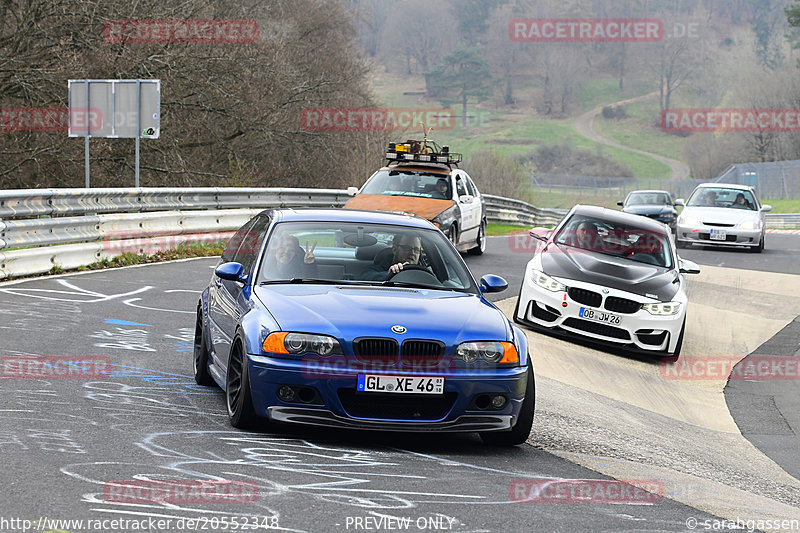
(350, 312)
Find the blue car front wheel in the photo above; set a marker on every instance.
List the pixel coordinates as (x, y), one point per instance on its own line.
(237, 389)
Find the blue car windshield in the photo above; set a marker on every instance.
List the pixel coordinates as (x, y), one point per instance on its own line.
(362, 254)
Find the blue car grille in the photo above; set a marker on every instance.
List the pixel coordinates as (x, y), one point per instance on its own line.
(376, 350)
(396, 407)
(421, 353)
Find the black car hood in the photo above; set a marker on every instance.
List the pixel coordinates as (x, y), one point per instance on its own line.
(649, 210)
(566, 262)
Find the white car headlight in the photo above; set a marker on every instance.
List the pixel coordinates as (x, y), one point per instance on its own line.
(750, 224)
(546, 282)
(688, 221)
(662, 308)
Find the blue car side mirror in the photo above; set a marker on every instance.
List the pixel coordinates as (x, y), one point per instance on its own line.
(231, 272)
(492, 283)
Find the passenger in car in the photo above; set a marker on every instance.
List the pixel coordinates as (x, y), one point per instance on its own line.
(442, 191)
(710, 199)
(741, 202)
(291, 261)
(406, 250)
(585, 234)
(394, 184)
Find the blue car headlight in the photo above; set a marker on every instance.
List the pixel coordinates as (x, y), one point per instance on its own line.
(487, 351)
(284, 342)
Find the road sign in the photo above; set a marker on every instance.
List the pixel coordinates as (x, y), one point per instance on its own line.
(122, 109)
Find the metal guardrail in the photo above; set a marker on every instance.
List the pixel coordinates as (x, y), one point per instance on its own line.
(61, 202)
(510, 211)
(782, 220)
(68, 228)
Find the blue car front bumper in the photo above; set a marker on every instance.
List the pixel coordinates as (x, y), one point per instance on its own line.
(336, 403)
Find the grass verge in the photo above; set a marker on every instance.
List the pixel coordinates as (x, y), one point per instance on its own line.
(183, 251)
(640, 130)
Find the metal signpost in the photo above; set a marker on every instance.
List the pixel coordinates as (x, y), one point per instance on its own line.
(121, 109)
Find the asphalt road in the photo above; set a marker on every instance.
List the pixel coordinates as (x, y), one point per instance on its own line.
(65, 440)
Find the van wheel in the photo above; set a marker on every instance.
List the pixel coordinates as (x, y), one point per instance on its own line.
(481, 242)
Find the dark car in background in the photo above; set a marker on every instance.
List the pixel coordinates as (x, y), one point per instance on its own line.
(655, 204)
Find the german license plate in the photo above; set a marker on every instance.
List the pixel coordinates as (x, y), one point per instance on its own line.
(400, 384)
(598, 316)
(717, 235)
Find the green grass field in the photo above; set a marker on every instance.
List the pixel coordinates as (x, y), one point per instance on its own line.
(600, 91)
(641, 130)
(515, 132)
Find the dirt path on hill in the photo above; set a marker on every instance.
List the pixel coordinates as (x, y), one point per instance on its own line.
(584, 124)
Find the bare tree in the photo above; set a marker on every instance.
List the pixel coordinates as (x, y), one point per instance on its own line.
(423, 43)
(672, 66)
(497, 173)
(230, 111)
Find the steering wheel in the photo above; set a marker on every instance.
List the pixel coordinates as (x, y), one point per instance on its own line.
(415, 274)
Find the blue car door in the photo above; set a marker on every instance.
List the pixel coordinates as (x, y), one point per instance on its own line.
(230, 299)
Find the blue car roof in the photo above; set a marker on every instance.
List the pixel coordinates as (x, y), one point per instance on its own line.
(348, 215)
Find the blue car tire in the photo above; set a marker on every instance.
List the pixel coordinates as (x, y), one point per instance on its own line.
(237, 389)
(200, 356)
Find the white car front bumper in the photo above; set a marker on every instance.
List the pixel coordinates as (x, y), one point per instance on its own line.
(626, 324)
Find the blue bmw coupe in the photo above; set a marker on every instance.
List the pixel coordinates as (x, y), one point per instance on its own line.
(363, 320)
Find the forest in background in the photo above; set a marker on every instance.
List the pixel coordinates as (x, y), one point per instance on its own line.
(231, 111)
(716, 53)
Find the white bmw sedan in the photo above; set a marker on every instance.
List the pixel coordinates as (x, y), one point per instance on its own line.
(611, 277)
(723, 214)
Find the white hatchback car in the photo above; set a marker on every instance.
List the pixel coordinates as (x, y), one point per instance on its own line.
(723, 214)
(608, 276)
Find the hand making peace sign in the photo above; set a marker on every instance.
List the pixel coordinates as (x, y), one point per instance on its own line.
(309, 257)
